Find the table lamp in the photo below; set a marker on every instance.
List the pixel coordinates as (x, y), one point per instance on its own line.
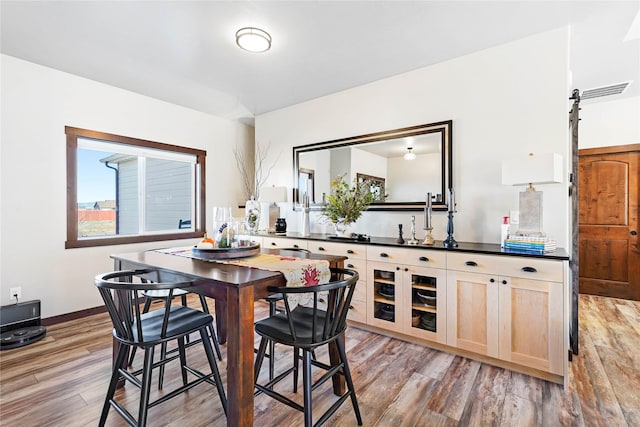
(529, 170)
(273, 195)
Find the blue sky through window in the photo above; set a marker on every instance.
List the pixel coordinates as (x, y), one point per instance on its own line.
(96, 182)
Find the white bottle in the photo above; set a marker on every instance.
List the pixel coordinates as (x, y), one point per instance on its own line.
(504, 230)
(306, 229)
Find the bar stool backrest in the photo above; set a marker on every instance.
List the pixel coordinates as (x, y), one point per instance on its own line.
(121, 294)
(327, 324)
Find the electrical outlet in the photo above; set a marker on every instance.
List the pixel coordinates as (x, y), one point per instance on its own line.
(16, 292)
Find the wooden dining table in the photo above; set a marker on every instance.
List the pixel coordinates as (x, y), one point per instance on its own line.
(234, 289)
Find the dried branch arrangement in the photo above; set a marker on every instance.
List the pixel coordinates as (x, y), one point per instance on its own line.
(253, 180)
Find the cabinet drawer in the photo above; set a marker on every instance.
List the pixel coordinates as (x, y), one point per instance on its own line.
(421, 258)
(351, 250)
(281, 243)
(524, 267)
(406, 256)
(358, 311)
(359, 265)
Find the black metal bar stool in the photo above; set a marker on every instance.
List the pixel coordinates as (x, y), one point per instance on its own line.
(132, 328)
(307, 328)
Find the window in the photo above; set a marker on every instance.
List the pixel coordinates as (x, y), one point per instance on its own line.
(127, 190)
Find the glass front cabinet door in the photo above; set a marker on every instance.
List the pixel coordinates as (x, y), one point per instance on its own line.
(385, 287)
(408, 299)
(425, 303)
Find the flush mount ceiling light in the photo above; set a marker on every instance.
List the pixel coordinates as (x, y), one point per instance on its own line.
(253, 39)
(409, 154)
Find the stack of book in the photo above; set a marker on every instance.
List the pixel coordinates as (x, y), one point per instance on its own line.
(529, 244)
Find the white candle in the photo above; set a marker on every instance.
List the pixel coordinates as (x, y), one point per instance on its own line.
(428, 211)
(452, 200)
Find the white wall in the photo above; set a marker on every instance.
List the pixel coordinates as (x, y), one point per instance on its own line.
(407, 177)
(505, 101)
(607, 123)
(367, 163)
(37, 103)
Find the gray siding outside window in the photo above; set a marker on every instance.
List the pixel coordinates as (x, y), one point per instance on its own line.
(168, 194)
(128, 206)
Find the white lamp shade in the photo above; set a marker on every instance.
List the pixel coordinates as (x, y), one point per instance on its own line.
(273, 194)
(532, 169)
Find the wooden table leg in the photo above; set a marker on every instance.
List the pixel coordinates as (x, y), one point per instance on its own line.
(240, 356)
(221, 320)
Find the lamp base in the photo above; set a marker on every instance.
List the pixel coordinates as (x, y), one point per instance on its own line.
(530, 207)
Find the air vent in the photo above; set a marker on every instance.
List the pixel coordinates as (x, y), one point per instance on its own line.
(605, 91)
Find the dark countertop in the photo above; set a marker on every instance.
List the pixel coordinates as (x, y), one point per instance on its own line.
(479, 248)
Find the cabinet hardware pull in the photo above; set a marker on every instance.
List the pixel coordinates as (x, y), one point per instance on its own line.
(321, 300)
(384, 255)
(529, 270)
(504, 282)
(397, 268)
(423, 258)
(296, 246)
(349, 251)
(406, 269)
(320, 248)
(492, 280)
(351, 307)
(350, 265)
(471, 263)
(633, 232)
(273, 244)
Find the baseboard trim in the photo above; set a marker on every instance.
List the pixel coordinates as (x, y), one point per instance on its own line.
(75, 315)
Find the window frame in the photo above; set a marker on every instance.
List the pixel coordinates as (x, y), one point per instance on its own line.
(73, 241)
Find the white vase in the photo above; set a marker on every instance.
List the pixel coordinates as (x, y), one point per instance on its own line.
(252, 216)
(341, 229)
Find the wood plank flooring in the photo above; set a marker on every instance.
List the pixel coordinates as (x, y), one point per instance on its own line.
(61, 381)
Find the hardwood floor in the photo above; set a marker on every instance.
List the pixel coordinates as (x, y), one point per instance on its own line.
(61, 381)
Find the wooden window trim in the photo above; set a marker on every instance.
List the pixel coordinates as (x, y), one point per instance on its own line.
(73, 134)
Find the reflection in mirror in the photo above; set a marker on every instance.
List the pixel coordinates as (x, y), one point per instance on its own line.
(402, 166)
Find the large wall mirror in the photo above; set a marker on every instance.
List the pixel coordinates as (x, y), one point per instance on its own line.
(402, 166)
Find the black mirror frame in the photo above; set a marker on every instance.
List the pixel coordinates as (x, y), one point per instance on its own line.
(446, 130)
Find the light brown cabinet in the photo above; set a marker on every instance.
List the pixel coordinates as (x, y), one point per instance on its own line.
(407, 298)
(508, 310)
(516, 318)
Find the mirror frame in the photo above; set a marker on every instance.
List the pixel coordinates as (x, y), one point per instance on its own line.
(445, 128)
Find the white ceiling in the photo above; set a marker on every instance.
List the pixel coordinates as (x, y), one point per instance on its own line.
(184, 52)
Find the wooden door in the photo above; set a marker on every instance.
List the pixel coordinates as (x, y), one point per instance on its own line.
(531, 323)
(608, 221)
(472, 312)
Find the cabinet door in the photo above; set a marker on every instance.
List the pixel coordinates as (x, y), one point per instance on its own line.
(425, 303)
(531, 324)
(385, 295)
(472, 312)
